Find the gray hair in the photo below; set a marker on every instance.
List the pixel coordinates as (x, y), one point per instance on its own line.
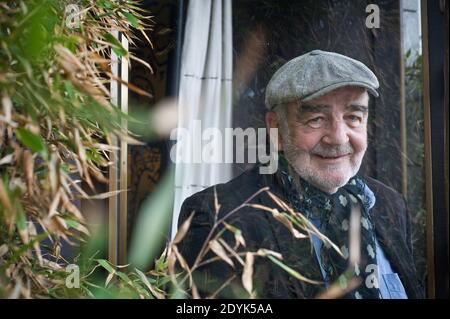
(282, 117)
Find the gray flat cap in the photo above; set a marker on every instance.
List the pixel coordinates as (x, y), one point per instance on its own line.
(317, 73)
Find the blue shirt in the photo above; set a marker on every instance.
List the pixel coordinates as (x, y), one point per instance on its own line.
(389, 282)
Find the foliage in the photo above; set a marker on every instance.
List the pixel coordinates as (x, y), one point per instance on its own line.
(56, 125)
(415, 157)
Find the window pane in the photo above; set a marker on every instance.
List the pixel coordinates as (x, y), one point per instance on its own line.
(269, 33)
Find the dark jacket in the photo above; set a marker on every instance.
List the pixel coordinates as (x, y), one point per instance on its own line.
(261, 230)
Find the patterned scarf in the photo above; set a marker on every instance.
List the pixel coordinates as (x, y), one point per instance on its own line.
(333, 212)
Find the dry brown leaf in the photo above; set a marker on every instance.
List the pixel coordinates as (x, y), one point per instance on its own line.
(3, 250)
(9, 215)
(8, 159)
(110, 276)
(262, 207)
(150, 287)
(24, 235)
(54, 205)
(336, 291)
(37, 248)
(183, 263)
(131, 86)
(286, 222)
(105, 195)
(247, 275)
(67, 204)
(183, 229)
(264, 252)
(83, 229)
(313, 229)
(98, 175)
(237, 235)
(217, 248)
(28, 167)
(278, 201)
(195, 293)
(129, 140)
(53, 173)
(216, 203)
(51, 264)
(231, 251)
(171, 261)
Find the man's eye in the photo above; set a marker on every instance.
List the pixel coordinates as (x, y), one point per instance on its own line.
(316, 122)
(354, 118)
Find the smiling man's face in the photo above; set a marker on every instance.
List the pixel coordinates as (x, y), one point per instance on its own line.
(325, 139)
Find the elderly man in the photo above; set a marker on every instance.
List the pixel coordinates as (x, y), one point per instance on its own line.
(319, 102)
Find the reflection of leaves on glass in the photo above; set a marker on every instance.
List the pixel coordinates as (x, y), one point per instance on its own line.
(291, 28)
(415, 146)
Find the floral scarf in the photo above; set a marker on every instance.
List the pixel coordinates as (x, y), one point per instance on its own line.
(333, 212)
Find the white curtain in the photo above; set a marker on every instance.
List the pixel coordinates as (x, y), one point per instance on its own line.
(204, 100)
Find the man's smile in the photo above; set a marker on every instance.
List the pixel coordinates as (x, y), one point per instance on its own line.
(331, 159)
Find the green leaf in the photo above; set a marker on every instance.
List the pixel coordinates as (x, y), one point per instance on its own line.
(162, 281)
(115, 44)
(291, 271)
(132, 19)
(69, 89)
(94, 156)
(32, 141)
(105, 264)
(152, 224)
(21, 220)
(24, 248)
(125, 278)
(72, 223)
(144, 278)
(161, 263)
(104, 4)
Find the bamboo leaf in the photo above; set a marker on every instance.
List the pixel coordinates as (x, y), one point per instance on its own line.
(231, 251)
(152, 289)
(292, 272)
(132, 19)
(105, 264)
(286, 222)
(108, 279)
(3, 249)
(152, 223)
(116, 46)
(31, 140)
(125, 278)
(266, 252)
(237, 234)
(217, 248)
(247, 275)
(183, 229)
(105, 4)
(21, 223)
(161, 263)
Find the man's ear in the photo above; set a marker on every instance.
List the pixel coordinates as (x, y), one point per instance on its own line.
(271, 123)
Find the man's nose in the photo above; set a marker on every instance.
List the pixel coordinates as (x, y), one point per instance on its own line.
(336, 133)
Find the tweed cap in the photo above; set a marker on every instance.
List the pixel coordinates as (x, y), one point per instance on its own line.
(317, 73)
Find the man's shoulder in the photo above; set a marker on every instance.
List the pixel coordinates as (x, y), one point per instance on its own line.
(245, 183)
(229, 194)
(380, 189)
(390, 205)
